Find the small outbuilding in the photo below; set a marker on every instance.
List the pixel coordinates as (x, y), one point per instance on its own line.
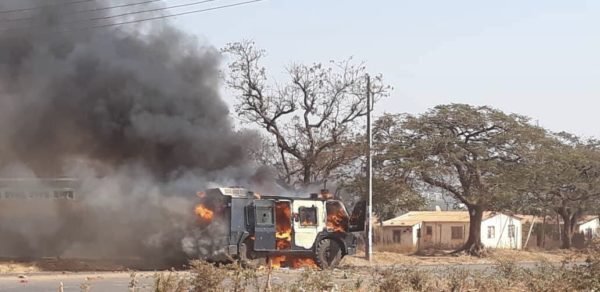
(589, 226)
(449, 230)
(547, 231)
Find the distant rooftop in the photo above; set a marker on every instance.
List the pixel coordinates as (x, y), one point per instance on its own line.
(551, 219)
(415, 217)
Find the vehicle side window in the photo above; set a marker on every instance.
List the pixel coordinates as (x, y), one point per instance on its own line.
(264, 215)
(308, 216)
(249, 210)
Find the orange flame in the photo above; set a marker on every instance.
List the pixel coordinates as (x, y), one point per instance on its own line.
(304, 262)
(277, 261)
(337, 218)
(295, 262)
(334, 223)
(204, 213)
(283, 225)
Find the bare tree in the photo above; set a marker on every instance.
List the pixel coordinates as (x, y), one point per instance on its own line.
(313, 119)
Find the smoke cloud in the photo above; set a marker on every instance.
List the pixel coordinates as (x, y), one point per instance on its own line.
(134, 113)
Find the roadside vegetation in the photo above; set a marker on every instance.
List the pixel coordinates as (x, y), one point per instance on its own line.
(505, 275)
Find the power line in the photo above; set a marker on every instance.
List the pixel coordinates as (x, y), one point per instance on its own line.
(175, 14)
(94, 19)
(45, 6)
(89, 10)
(150, 10)
(157, 17)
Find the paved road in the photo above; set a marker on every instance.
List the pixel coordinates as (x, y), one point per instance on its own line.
(72, 282)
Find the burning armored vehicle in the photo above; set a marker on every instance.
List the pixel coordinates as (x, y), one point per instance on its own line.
(285, 231)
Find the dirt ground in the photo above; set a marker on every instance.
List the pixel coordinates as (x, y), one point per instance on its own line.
(11, 266)
(383, 258)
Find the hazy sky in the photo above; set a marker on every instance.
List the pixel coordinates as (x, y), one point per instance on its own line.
(538, 58)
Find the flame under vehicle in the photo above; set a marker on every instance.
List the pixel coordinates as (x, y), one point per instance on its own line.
(285, 231)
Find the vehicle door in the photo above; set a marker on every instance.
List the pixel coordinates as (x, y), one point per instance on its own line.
(309, 220)
(358, 219)
(264, 224)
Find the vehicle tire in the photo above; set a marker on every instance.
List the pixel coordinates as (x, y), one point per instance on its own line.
(328, 254)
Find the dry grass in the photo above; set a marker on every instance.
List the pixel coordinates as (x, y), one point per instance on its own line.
(504, 275)
(8, 267)
(437, 257)
(395, 248)
(384, 255)
(169, 282)
(358, 275)
(536, 255)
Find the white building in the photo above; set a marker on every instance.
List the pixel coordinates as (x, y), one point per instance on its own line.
(449, 230)
(589, 226)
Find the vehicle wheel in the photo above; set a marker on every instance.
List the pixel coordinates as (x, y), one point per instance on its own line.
(329, 254)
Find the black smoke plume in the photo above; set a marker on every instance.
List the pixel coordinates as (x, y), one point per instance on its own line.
(132, 112)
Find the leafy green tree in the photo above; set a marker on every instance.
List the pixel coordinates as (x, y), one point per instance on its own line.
(391, 195)
(467, 151)
(562, 175)
(394, 188)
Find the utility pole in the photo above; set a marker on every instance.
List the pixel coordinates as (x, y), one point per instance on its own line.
(369, 245)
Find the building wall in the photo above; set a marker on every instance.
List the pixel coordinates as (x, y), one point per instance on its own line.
(415, 234)
(553, 233)
(441, 235)
(402, 235)
(593, 225)
(506, 232)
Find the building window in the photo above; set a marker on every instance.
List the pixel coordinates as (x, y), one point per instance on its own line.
(511, 231)
(457, 232)
(308, 216)
(588, 233)
(491, 232)
(396, 236)
(429, 230)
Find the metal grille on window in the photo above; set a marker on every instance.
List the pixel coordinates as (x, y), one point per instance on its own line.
(308, 216)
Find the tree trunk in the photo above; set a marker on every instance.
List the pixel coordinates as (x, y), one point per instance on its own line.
(306, 175)
(567, 234)
(543, 233)
(473, 246)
